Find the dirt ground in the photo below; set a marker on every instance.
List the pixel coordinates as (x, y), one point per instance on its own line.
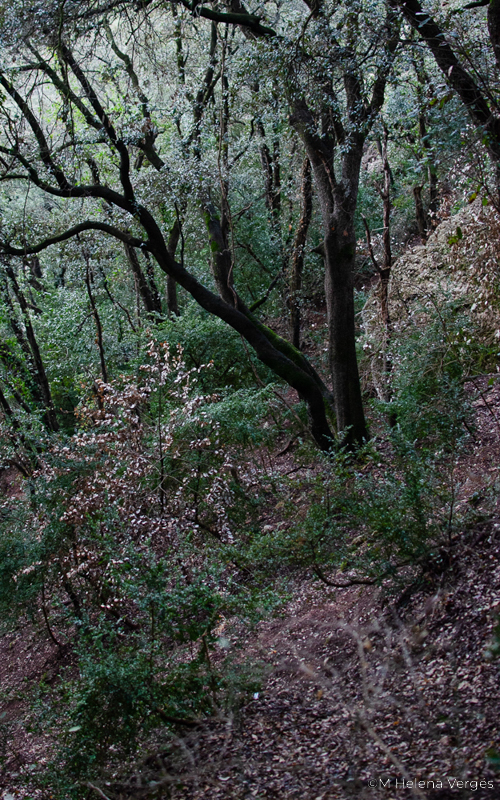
(363, 697)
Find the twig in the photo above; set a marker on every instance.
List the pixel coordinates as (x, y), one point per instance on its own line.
(485, 402)
(287, 447)
(353, 582)
(96, 789)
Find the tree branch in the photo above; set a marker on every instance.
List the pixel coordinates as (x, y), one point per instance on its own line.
(244, 19)
(68, 57)
(64, 88)
(90, 225)
(43, 146)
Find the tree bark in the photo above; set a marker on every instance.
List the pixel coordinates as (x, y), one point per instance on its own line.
(338, 205)
(149, 295)
(298, 253)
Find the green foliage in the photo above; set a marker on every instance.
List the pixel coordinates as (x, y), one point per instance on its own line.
(132, 682)
(135, 536)
(124, 541)
(207, 340)
(369, 518)
(20, 552)
(432, 355)
(385, 513)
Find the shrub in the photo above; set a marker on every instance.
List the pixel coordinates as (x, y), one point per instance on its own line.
(386, 514)
(122, 541)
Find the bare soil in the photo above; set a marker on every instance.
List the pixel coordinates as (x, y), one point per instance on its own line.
(365, 696)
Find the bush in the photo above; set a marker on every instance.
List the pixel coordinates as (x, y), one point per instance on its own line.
(123, 541)
(206, 339)
(386, 514)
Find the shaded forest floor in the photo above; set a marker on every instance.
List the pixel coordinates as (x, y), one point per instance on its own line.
(359, 687)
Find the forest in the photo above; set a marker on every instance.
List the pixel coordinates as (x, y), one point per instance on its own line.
(249, 399)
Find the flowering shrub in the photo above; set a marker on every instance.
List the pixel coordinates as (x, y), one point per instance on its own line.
(113, 542)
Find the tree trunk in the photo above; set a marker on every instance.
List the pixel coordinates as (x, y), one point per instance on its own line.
(149, 295)
(173, 240)
(385, 272)
(280, 356)
(338, 201)
(221, 260)
(298, 253)
(50, 416)
(340, 250)
(424, 90)
(494, 28)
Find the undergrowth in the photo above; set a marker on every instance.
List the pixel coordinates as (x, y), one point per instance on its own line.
(138, 541)
(387, 514)
(119, 548)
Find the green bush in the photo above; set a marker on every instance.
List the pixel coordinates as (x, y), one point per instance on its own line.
(431, 356)
(387, 513)
(122, 548)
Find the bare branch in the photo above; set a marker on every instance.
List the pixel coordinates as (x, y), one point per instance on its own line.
(90, 225)
(68, 57)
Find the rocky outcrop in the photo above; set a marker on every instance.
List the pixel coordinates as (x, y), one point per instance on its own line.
(460, 262)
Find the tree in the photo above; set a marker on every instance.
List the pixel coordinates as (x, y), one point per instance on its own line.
(334, 127)
(468, 80)
(332, 71)
(36, 153)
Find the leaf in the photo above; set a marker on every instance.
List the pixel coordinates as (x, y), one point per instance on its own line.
(445, 99)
